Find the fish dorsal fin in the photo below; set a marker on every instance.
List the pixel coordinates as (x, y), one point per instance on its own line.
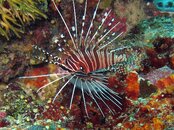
(90, 32)
(67, 28)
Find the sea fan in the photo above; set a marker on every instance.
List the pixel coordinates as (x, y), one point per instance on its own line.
(88, 56)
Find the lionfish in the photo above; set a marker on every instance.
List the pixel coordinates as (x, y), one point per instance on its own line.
(89, 58)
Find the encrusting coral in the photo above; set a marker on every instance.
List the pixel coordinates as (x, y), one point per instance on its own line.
(16, 13)
(132, 10)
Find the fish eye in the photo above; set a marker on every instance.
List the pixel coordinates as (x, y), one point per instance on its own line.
(160, 4)
(170, 4)
(81, 68)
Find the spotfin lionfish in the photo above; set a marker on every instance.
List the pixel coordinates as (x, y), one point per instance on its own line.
(90, 57)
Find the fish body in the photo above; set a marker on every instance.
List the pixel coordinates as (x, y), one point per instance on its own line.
(90, 56)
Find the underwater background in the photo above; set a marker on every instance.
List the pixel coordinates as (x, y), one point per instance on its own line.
(144, 81)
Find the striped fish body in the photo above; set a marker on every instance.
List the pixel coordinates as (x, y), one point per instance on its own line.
(89, 61)
(92, 65)
(90, 56)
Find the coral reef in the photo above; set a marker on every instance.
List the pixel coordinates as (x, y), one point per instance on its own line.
(16, 13)
(132, 10)
(12, 64)
(15, 57)
(132, 88)
(35, 84)
(151, 112)
(157, 27)
(154, 75)
(147, 91)
(161, 53)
